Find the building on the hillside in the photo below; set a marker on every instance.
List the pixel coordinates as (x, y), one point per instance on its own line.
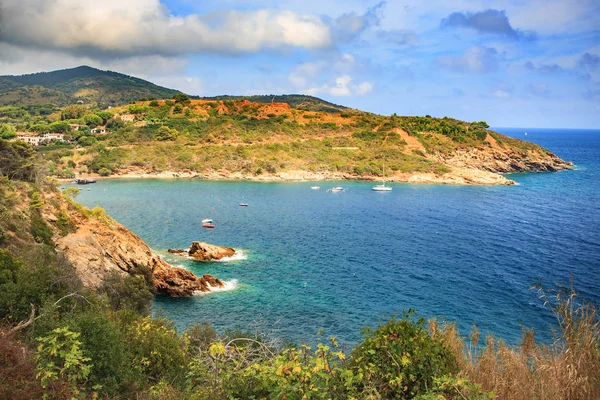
(29, 137)
(76, 127)
(36, 139)
(54, 136)
(100, 130)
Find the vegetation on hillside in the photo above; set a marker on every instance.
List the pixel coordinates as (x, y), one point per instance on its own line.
(251, 139)
(299, 101)
(60, 340)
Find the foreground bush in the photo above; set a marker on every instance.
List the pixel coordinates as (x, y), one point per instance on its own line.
(400, 359)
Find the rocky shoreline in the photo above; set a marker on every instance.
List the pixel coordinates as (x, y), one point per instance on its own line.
(470, 167)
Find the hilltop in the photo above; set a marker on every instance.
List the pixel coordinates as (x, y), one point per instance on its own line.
(83, 83)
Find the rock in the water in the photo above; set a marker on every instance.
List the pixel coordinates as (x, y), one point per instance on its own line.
(177, 251)
(209, 252)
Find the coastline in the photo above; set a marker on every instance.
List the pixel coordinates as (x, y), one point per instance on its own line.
(457, 176)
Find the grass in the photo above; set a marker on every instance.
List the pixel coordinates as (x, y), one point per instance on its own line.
(569, 368)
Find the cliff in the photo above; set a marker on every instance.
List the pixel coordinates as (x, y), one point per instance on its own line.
(97, 248)
(93, 243)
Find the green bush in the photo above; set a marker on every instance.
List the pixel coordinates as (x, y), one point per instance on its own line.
(39, 229)
(133, 291)
(399, 359)
(104, 172)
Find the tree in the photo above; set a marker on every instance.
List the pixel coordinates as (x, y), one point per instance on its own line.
(73, 112)
(105, 115)
(166, 133)
(60, 127)
(7, 131)
(92, 120)
(181, 98)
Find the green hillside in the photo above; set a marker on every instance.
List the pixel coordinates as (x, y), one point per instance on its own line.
(68, 86)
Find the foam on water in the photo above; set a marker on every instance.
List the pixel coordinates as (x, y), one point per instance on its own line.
(228, 286)
(238, 256)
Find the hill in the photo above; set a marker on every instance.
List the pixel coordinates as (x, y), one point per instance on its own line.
(298, 101)
(239, 139)
(68, 86)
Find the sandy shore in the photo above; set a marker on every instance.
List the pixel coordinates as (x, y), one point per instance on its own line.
(457, 176)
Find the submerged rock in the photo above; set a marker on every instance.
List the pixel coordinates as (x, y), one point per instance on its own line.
(209, 252)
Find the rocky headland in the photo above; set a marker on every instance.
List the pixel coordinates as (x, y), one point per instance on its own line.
(97, 248)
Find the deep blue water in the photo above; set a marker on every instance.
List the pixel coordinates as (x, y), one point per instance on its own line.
(340, 261)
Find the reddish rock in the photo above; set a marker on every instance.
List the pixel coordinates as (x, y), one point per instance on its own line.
(209, 252)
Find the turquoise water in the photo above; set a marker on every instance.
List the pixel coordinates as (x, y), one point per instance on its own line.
(340, 261)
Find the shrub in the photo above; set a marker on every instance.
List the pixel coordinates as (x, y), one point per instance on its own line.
(133, 291)
(399, 359)
(39, 229)
(104, 172)
(59, 356)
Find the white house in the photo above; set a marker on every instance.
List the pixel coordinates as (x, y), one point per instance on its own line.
(54, 136)
(29, 137)
(99, 130)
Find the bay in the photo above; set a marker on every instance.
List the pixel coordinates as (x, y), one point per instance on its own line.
(339, 261)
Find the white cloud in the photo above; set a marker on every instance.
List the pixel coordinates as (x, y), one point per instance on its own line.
(364, 88)
(343, 87)
(501, 94)
(474, 59)
(145, 27)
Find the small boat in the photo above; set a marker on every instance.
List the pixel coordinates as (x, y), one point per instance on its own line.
(382, 187)
(243, 205)
(315, 187)
(80, 181)
(209, 226)
(207, 221)
(336, 189)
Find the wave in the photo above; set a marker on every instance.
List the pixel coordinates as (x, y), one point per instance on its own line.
(228, 286)
(238, 256)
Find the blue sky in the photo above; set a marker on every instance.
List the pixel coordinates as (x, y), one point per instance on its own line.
(512, 63)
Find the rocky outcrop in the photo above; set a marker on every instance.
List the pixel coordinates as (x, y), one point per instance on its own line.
(519, 157)
(205, 252)
(97, 248)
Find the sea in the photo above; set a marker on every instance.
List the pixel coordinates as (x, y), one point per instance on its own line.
(311, 260)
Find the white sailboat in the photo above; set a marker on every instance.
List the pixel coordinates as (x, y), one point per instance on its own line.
(382, 187)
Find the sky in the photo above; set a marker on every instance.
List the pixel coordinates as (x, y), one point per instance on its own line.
(512, 63)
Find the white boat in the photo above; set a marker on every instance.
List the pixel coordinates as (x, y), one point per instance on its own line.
(382, 187)
(315, 187)
(336, 189)
(207, 221)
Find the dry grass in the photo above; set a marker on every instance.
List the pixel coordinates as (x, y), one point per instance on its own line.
(567, 369)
